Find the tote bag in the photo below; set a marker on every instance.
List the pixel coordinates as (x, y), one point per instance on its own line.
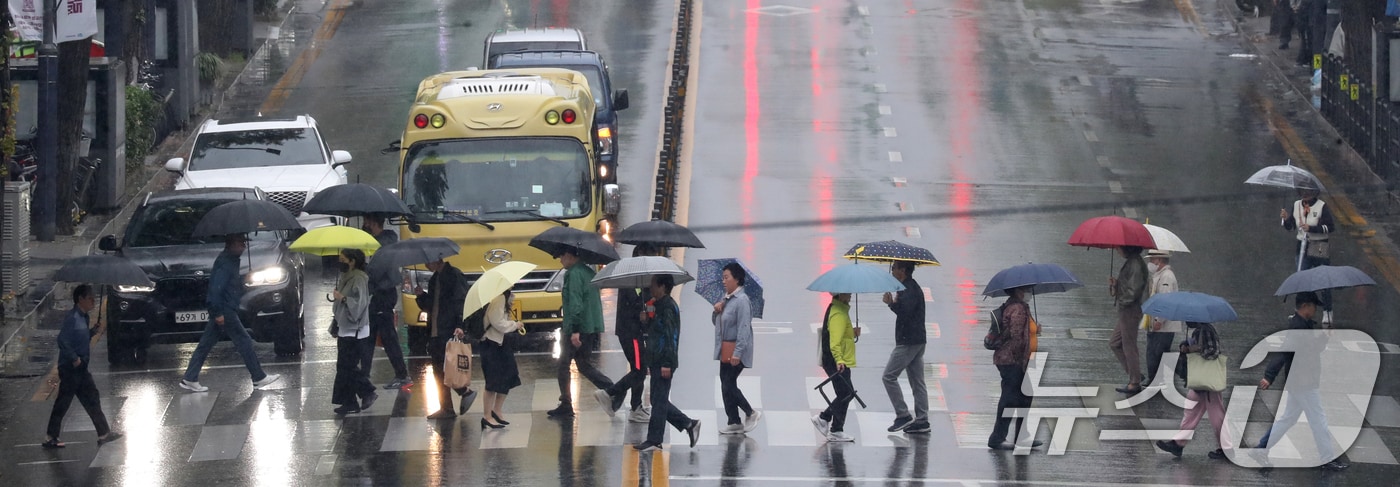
(457, 366)
(1205, 375)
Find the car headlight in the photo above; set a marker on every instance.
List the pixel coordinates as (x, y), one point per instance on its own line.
(135, 289)
(556, 283)
(268, 277)
(412, 278)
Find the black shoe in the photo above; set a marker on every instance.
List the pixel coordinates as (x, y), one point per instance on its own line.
(917, 427)
(347, 409)
(565, 410)
(1334, 466)
(1217, 454)
(365, 403)
(1130, 390)
(54, 443)
(900, 423)
(1283, 47)
(487, 424)
(647, 447)
(111, 436)
(467, 399)
(1170, 447)
(399, 384)
(445, 413)
(1004, 446)
(499, 420)
(693, 431)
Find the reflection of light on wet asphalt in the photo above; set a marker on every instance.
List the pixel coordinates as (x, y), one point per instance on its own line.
(751, 117)
(431, 389)
(554, 350)
(444, 32)
(271, 441)
(141, 423)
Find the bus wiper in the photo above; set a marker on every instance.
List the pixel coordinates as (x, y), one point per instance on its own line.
(536, 214)
(457, 214)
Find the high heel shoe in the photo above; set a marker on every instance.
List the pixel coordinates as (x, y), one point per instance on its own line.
(485, 424)
(500, 421)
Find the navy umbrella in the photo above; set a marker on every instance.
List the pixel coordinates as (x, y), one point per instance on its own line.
(891, 251)
(1324, 277)
(1046, 278)
(709, 277)
(411, 252)
(1188, 306)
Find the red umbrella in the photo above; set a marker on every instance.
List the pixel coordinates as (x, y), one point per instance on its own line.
(1106, 232)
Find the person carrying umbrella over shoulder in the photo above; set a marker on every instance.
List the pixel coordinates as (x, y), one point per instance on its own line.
(733, 320)
(910, 338)
(1312, 220)
(225, 293)
(1160, 332)
(630, 330)
(74, 379)
(447, 290)
(583, 321)
(838, 355)
(1019, 332)
(384, 295)
(1129, 290)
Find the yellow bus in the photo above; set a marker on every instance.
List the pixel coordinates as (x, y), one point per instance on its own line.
(491, 158)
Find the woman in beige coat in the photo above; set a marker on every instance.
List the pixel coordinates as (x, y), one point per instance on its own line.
(497, 361)
(1160, 333)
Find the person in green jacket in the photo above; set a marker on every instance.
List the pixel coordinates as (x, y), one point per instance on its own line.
(838, 353)
(583, 321)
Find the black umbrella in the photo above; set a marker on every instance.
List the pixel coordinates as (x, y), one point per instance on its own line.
(659, 233)
(588, 246)
(102, 269)
(245, 216)
(357, 199)
(411, 252)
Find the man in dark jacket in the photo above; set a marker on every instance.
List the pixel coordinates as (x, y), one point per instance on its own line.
(1129, 290)
(443, 300)
(73, 376)
(1302, 392)
(910, 337)
(384, 295)
(583, 321)
(663, 357)
(630, 305)
(225, 294)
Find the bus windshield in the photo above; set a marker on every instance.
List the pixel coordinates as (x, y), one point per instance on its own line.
(519, 178)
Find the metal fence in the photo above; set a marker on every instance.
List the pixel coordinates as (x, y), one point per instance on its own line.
(1369, 123)
(663, 207)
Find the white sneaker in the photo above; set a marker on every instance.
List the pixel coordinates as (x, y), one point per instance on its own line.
(266, 381)
(732, 429)
(751, 421)
(605, 400)
(1327, 317)
(640, 415)
(839, 437)
(192, 386)
(823, 426)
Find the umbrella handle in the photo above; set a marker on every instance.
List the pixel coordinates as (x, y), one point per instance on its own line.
(1302, 251)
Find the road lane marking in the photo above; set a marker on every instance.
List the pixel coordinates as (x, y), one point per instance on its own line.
(891, 132)
(46, 462)
(1103, 161)
(880, 88)
(911, 232)
(1115, 187)
(1130, 212)
(896, 156)
(294, 74)
(325, 465)
(885, 110)
(864, 10)
(898, 182)
(1089, 136)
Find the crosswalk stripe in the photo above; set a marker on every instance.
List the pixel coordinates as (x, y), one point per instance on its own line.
(597, 428)
(409, 434)
(546, 395)
(789, 428)
(223, 442)
(517, 435)
(872, 426)
(752, 387)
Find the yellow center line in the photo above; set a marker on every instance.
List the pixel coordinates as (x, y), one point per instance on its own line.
(292, 78)
(1345, 212)
(658, 476)
(1188, 13)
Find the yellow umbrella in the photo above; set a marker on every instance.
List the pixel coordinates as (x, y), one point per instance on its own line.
(326, 241)
(494, 283)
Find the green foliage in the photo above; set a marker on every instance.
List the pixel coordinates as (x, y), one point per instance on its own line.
(210, 66)
(143, 112)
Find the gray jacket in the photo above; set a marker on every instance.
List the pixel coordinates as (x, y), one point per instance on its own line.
(352, 310)
(735, 324)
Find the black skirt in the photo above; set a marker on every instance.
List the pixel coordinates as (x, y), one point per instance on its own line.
(498, 365)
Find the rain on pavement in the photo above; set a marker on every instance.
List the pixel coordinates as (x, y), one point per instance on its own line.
(984, 131)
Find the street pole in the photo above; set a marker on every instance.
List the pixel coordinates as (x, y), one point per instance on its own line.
(47, 192)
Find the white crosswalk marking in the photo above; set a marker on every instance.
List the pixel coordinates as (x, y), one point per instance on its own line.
(516, 435)
(752, 387)
(409, 434)
(872, 426)
(789, 428)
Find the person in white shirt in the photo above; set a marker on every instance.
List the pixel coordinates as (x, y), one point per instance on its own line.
(1160, 333)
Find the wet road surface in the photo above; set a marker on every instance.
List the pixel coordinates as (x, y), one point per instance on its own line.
(984, 131)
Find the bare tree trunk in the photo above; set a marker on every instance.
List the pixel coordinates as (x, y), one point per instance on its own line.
(73, 62)
(135, 45)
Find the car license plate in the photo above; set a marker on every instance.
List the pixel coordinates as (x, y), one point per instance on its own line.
(191, 316)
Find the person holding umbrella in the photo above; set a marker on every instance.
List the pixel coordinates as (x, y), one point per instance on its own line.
(1304, 375)
(630, 330)
(838, 355)
(910, 337)
(497, 360)
(352, 390)
(225, 292)
(384, 295)
(447, 290)
(1019, 334)
(1312, 220)
(1129, 290)
(1160, 332)
(733, 322)
(74, 380)
(583, 321)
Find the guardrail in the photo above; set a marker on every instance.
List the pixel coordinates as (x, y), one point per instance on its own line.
(1370, 124)
(663, 206)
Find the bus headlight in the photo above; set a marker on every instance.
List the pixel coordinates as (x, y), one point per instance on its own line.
(556, 283)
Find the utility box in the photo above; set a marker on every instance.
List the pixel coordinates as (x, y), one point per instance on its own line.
(14, 239)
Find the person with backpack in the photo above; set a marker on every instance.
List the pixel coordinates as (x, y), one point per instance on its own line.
(497, 359)
(1014, 342)
(1203, 339)
(838, 355)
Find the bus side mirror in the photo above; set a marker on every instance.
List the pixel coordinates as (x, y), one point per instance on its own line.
(612, 199)
(620, 101)
(394, 146)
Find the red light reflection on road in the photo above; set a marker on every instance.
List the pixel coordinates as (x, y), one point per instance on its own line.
(752, 111)
(560, 9)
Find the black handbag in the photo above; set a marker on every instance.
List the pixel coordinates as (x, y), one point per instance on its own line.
(335, 329)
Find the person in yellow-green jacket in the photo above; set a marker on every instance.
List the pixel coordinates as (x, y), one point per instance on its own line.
(838, 353)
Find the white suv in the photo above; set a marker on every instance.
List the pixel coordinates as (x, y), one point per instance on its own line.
(287, 158)
(532, 39)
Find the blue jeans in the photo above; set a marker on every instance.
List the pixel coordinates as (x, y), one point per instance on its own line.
(235, 331)
(1297, 403)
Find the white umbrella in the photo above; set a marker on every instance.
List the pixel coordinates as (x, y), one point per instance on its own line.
(635, 272)
(1166, 240)
(1286, 176)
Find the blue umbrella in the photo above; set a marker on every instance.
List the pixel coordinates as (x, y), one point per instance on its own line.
(1047, 278)
(856, 279)
(1324, 277)
(1187, 306)
(708, 283)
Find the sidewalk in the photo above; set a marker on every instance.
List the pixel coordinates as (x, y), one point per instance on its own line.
(30, 320)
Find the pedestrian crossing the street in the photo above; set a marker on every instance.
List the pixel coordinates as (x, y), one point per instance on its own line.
(198, 422)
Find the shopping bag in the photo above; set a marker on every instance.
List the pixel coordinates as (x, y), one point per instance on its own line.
(1205, 375)
(457, 366)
